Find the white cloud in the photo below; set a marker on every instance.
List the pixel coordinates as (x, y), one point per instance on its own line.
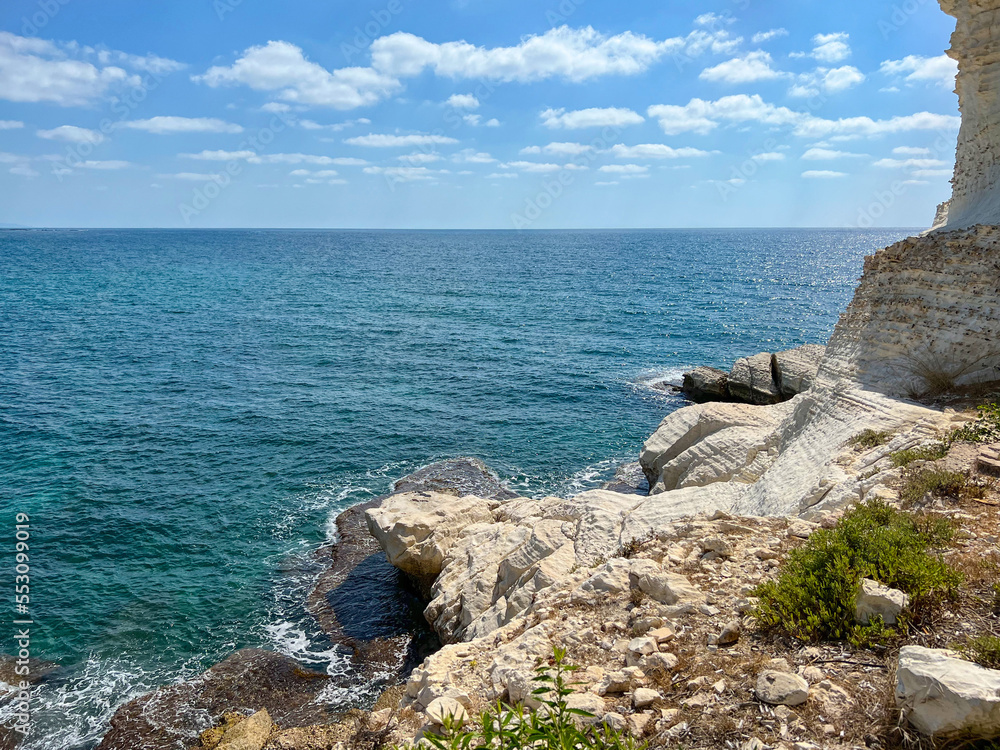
(830, 81)
(471, 156)
(492, 123)
(168, 125)
(701, 116)
(348, 161)
(932, 173)
(655, 151)
(404, 174)
(23, 170)
(282, 67)
(383, 140)
(590, 118)
(71, 134)
(189, 176)
(148, 63)
(624, 169)
(418, 157)
(463, 101)
(335, 127)
(713, 19)
(290, 159)
(276, 107)
(607, 183)
(532, 166)
(831, 48)
(11, 124)
(827, 154)
(220, 155)
(322, 174)
(916, 69)
(563, 52)
(558, 149)
(768, 156)
(103, 165)
(753, 66)
(766, 36)
(911, 151)
(501, 175)
(35, 70)
(822, 174)
(910, 163)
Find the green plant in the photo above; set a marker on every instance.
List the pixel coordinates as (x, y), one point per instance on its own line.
(941, 484)
(984, 650)
(869, 439)
(986, 429)
(923, 453)
(554, 726)
(813, 597)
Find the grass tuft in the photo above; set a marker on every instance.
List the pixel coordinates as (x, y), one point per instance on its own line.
(869, 439)
(984, 650)
(923, 453)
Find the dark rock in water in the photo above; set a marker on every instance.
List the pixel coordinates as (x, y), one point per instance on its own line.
(171, 718)
(364, 603)
(706, 384)
(762, 379)
(37, 672)
(629, 480)
(466, 476)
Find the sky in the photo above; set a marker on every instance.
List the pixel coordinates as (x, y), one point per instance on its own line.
(475, 114)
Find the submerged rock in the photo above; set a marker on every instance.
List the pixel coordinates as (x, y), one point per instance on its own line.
(171, 718)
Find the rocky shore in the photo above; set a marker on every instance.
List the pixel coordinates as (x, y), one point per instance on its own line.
(653, 584)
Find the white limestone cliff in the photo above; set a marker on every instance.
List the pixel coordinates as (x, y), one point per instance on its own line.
(976, 47)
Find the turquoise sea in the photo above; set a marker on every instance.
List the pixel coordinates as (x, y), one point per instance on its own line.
(183, 413)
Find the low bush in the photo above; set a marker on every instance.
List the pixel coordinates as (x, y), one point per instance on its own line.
(984, 430)
(940, 484)
(869, 439)
(984, 650)
(923, 453)
(813, 597)
(551, 727)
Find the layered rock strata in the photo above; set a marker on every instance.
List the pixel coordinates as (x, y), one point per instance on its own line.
(976, 47)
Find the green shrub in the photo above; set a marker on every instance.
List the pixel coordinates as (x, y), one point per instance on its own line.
(941, 484)
(984, 430)
(551, 727)
(870, 439)
(984, 650)
(924, 453)
(814, 594)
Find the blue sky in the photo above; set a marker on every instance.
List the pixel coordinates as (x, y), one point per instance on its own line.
(474, 113)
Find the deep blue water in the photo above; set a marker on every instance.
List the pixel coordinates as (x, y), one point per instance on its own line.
(182, 413)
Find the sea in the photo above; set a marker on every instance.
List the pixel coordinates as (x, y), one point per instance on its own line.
(184, 413)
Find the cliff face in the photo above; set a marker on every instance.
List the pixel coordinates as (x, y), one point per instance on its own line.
(976, 47)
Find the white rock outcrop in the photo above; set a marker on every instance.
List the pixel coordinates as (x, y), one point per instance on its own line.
(976, 192)
(943, 695)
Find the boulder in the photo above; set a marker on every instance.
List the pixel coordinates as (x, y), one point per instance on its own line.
(752, 381)
(782, 688)
(417, 529)
(706, 384)
(945, 696)
(446, 708)
(249, 734)
(876, 600)
(795, 370)
(666, 588)
(644, 698)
